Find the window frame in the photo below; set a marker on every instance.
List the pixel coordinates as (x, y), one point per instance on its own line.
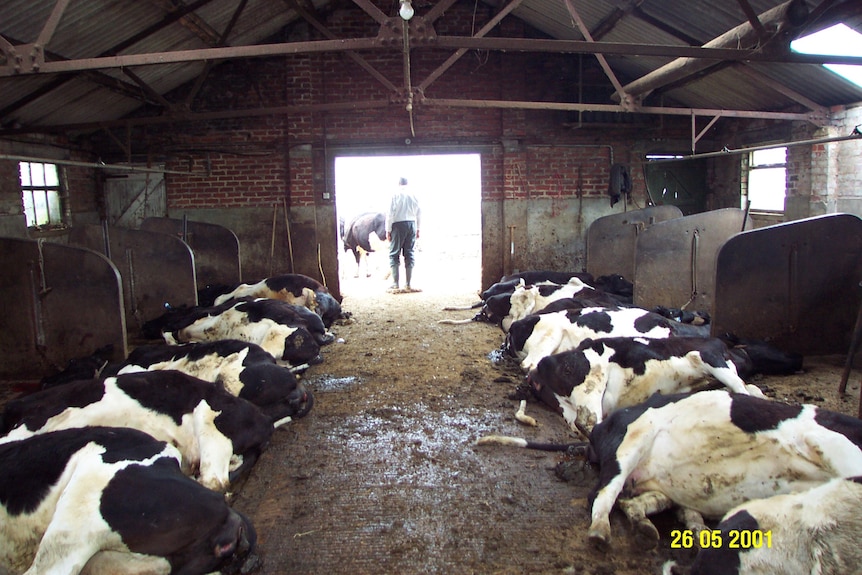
(48, 211)
(750, 167)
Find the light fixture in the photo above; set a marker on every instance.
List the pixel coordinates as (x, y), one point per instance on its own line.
(406, 10)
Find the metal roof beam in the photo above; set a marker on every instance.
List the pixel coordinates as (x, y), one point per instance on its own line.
(191, 22)
(459, 42)
(221, 41)
(461, 51)
(780, 88)
(753, 19)
(603, 62)
(359, 60)
(657, 110)
(785, 16)
(51, 25)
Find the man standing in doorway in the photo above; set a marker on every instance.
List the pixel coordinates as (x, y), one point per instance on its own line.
(402, 231)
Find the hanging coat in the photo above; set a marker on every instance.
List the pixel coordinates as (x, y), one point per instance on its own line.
(620, 183)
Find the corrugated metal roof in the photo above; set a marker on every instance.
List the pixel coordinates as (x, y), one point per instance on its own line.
(92, 28)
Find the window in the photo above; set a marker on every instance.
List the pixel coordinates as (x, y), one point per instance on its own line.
(766, 182)
(838, 40)
(41, 194)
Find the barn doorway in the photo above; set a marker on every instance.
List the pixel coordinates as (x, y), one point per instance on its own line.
(448, 256)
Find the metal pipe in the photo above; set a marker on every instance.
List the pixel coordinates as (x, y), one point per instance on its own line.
(93, 165)
(725, 152)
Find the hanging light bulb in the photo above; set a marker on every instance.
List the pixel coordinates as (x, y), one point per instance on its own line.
(406, 10)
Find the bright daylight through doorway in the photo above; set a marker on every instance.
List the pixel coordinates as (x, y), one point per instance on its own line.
(448, 256)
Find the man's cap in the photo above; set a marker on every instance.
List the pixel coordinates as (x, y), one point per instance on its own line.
(402, 181)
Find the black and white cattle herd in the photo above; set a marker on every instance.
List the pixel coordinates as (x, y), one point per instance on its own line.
(672, 423)
(112, 467)
(127, 467)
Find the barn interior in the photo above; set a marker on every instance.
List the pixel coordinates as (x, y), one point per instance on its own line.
(149, 149)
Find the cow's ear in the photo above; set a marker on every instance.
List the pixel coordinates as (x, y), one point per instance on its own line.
(521, 282)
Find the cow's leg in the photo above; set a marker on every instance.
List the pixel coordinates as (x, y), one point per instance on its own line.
(76, 531)
(692, 520)
(728, 377)
(627, 457)
(588, 399)
(127, 563)
(215, 450)
(357, 256)
(638, 508)
(540, 345)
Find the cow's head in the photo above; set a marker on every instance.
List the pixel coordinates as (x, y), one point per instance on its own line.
(496, 308)
(300, 347)
(276, 390)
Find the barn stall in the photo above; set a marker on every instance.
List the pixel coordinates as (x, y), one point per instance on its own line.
(239, 139)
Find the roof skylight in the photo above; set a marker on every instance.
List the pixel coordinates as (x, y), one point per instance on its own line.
(839, 40)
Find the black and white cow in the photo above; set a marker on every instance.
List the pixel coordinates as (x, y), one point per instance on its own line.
(356, 236)
(297, 289)
(710, 451)
(539, 335)
(814, 531)
(244, 369)
(505, 308)
(87, 367)
(280, 328)
(507, 284)
(598, 377)
(220, 436)
(107, 498)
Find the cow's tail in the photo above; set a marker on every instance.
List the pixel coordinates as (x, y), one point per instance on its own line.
(455, 321)
(478, 304)
(526, 444)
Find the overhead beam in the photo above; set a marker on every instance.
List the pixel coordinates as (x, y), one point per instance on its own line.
(357, 58)
(468, 43)
(657, 110)
(603, 62)
(208, 65)
(753, 19)
(191, 22)
(178, 118)
(490, 25)
(51, 24)
(786, 16)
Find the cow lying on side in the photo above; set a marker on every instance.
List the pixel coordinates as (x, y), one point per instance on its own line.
(110, 497)
(710, 451)
(598, 377)
(540, 335)
(274, 325)
(244, 369)
(220, 436)
(505, 308)
(814, 531)
(294, 289)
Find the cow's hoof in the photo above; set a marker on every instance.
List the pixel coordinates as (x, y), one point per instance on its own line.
(599, 543)
(646, 535)
(600, 535)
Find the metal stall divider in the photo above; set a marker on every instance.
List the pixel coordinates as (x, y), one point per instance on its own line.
(63, 302)
(795, 284)
(216, 248)
(156, 269)
(611, 239)
(675, 260)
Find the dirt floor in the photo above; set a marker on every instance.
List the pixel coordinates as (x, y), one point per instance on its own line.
(383, 477)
